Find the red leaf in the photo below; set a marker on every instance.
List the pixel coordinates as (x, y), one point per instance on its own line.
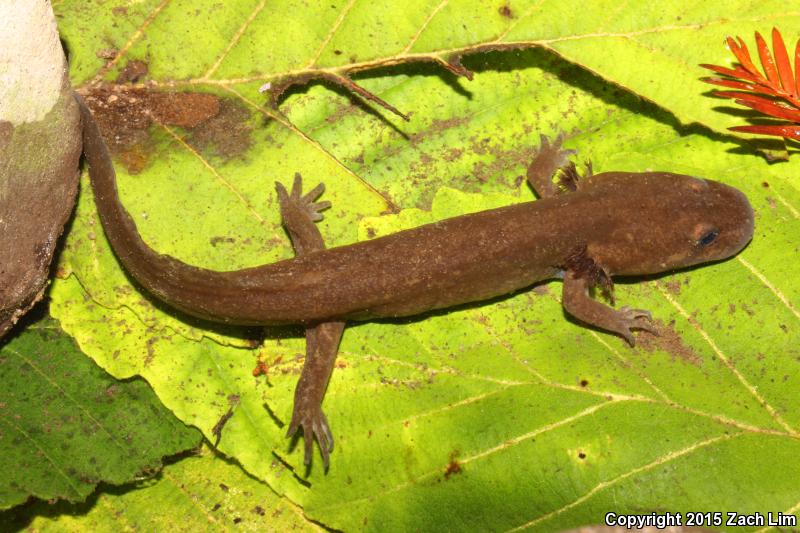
(737, 72)
(779, 130)
(797, 67)
(768, 107)
(743, 55)
(767, 62)
(776, 93)
(782, 62)
(733, 84)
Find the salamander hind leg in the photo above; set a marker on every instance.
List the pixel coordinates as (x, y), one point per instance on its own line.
(299, 212)
(322, 345)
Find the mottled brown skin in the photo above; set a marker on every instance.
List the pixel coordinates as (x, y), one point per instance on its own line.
(613, 223)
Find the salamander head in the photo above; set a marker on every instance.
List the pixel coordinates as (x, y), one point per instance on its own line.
(673, 221)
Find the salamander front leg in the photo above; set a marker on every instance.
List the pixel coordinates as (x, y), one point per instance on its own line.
(549, 159)
(622, 321)
(582, 274)
(299, 212)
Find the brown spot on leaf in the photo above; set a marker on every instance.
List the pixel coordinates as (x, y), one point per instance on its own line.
(214, 241)
(107, 53)
(502, 162)
(453, 467)
(261, 368)
(541, 290)
(226, 133)
(151, 352)
(452, 154)
(673, 286)
(670, 341)
(437, 126)
(124, 114)
(133, 72)
(187, 110)
(505, 11)
(233, 401)
(134, 159)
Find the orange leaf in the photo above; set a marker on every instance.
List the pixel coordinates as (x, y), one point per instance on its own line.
(768, 107)
(782, 62)
(776, 95)
(733, 84)
(743, 55)
(779, 130)
(737, 72)
(766, 61)
(797, 67)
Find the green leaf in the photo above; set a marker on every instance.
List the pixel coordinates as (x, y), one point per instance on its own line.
(65, 425)
(654, 53)
(495, 416)
(202, 492)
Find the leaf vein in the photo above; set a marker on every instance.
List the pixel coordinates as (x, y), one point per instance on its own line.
(75, 402)
(775, 290)
(792, 209)
(228, 185)
(336, 25)
(131, 41)
(504, 445)
(44, 453)
(605, 484)
(424, 25)
(235, 39)
(727, 362)
(181, 487)
(280, 119)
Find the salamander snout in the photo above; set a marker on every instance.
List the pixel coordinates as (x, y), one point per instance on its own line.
(727, 222)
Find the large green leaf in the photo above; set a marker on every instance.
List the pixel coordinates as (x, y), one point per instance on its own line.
(498, 415)
(655, 53)
(65, 425)
(202, 492)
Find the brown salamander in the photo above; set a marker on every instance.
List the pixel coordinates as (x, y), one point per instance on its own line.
(614, 223)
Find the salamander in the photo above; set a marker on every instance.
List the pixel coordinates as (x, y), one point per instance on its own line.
(585, 231)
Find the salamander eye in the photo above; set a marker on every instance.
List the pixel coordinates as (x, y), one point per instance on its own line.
(708, 238)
